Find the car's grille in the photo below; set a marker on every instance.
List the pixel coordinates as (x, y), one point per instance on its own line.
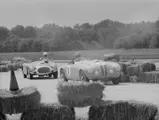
(103, 70)
(44, 70)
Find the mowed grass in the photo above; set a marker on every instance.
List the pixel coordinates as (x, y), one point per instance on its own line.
(68, 55)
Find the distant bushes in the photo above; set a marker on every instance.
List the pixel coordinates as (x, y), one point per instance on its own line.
(16, 63)
(104, 34)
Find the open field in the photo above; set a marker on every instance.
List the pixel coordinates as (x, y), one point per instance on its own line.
(67, 55)
(123, 91)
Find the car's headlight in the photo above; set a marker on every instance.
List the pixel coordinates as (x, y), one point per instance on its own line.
(33, 68)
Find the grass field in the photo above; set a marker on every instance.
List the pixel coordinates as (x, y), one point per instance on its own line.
(67, 55)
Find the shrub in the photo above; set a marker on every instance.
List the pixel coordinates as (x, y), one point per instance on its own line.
(80, 94)
(123, 110)
(20, 101)
(50, 112)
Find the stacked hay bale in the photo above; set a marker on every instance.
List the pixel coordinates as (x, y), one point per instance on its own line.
(124, 72)
(80, 94)
(17, 100)
(134, 71)
(149, 77)
(50, 112)
(149, 73)
(111, 57)
(123, 110)
(3, 68)
(137, 69)
(19, 61)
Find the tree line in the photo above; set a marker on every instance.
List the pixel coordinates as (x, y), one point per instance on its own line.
(103, 35)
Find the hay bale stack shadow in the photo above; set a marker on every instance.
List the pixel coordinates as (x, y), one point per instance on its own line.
(80, 94)
(123, 110)
(3, 116)
(50, 112)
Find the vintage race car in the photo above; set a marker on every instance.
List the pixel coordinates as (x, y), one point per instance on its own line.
(40, 68)
(86, 70)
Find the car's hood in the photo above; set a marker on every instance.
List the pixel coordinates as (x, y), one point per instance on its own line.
(96, 63)
(42, 63)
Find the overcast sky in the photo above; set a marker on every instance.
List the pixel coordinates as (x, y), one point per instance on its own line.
(70, 12)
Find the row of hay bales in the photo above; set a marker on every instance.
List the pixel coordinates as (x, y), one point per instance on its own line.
(16, 63)
(103, 110)
(135, 71)
(27, 101)
(107, 110)
(139, 72)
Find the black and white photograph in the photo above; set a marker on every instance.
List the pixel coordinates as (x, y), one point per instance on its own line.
(79, 59)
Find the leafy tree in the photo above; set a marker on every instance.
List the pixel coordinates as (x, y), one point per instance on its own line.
(18, 30)
(4, 33)
(29, 32)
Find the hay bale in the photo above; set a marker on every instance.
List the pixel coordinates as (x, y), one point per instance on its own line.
(19, 61)
(112, 56)
(149, 77)
(50, 112)
(3, 68)
(80, 94)
(13, 65)
(152, 67)
(20, 101)
(134, 79)
(145, 66)
(124, 66)
(134, 70)
(123, 110)
(124, 78)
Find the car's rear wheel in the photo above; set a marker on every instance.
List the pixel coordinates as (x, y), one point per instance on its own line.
(62, 75)
(55, 74)
(83, 76)
(115, 81)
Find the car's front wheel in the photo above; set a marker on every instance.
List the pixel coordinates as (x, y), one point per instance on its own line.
(24, 75)
(82, 76)
(62, 75)
(55, 74)
(30, 76)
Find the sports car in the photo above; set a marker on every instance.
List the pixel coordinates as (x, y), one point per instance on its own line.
(40, 68)
(87, 69)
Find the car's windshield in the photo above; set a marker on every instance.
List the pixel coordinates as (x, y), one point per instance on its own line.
(80, 59)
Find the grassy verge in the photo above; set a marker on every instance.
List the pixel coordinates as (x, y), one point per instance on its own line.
(67, 55)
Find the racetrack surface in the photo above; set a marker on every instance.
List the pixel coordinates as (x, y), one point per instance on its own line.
(123, 91)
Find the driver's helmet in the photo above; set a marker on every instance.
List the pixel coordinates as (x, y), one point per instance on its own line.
(78, 54)
(45, 54)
